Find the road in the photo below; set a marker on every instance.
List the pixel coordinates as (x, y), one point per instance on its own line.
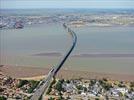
(45, 83)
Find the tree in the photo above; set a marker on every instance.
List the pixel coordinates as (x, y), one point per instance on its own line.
(33, 85)
(54, 81)
(49, 90)
(104, 79)
(68, 81)
(62, 80)
(101, 82)
(1, 90)
(2, 98)
(131, 84)
(106, 97)
(79, 87)
(120, 95)
(121, 85)
(51, 98)
(79, 92)
(60, 94)
(59, 86)
(85, 89)
(21, 83)
(107, 86)
(68, 98)
(92, 82)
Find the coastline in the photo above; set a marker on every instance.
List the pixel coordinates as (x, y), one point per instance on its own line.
(35, 73)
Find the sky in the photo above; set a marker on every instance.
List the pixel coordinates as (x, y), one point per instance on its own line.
(29, 4)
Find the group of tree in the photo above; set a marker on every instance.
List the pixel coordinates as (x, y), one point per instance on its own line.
(58, 85)
(3, 98)
(22, 83)
(33, 84)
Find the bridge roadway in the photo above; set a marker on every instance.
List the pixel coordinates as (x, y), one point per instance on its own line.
(45, 83)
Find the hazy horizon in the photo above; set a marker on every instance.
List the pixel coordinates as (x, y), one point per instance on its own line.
(23, 4)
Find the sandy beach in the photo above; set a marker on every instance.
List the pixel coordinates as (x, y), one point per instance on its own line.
(36, 73)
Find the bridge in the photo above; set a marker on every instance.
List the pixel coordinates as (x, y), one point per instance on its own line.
(45, 83)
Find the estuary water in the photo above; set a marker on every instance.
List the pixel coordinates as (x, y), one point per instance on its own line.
(44, 45)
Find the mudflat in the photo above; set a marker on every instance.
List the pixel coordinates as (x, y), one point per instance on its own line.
(38, 73)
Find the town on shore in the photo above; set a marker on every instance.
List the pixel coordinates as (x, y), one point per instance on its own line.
(100, 19)
(67, 89)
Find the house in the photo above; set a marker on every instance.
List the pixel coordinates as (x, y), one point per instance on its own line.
(18, 25)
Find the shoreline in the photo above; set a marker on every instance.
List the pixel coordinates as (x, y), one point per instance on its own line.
(35, 73)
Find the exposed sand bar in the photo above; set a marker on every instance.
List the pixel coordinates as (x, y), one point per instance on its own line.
(37, 73)
(118, 65)
(96, 54)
